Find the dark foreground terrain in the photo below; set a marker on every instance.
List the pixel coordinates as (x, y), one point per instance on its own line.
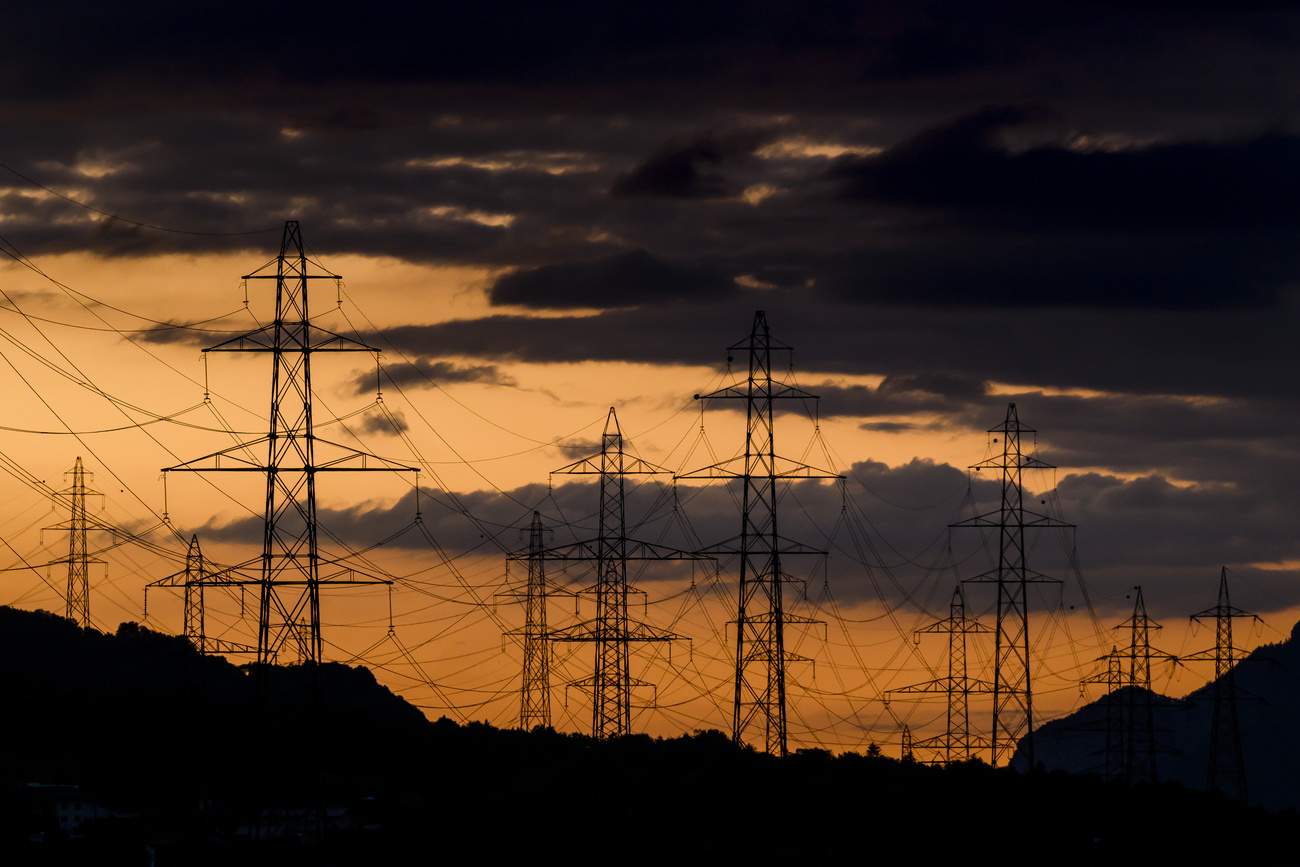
(132, 748)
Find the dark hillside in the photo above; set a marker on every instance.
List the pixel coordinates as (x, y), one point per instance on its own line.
(166, 744)
(1268, 686)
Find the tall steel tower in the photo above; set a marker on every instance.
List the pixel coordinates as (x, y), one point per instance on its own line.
(1140, 746)
(78, 559)
(194, 579)
(612, 630)
(956, 743)
(1013, 708)
(761, 617)
(1227, 772)
(290, 581)
(535, 691)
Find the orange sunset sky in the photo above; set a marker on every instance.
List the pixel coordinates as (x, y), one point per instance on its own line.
(539, 219)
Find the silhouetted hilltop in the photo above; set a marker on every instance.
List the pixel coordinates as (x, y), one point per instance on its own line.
(137, 710)
(168, 750)
(1268, 688)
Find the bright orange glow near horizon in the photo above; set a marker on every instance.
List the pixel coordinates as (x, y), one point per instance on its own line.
(446, 651)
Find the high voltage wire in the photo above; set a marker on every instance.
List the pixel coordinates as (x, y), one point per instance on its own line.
(855, 521)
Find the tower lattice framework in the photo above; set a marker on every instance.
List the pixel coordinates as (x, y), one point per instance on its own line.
(1013, 706)
(612, 630)
(761, 618)
(535, 689)
(1140, 745)
(1112, 677)
(957, 743)
(1129, 726)
(77, 596)
(1227, 771)
(194, 579)
(290, 565)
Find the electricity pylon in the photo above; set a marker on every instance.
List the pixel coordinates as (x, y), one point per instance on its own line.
(194, 578)
(1013, 706)
(760, 614)
(1140, 745)
(956, 743)
(1113, 678)
(78, 559)
(290, 580)
(612, 630)
(1227, 772)
(535, 690)
(1130, 728)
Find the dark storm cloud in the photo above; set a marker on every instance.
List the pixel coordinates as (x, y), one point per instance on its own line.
(692, 169)
(1163, 224)
(1233, 353)
(425, 372)
(893, 541)
(1125, 227)
(384, 423)
(967, 163)
(901, 395)
(627, 280)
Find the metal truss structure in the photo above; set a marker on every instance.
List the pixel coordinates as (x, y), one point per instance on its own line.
(194, 579)
(1227, 772)
(535, 689)
(957, 743)
(78, 559)
(612, 631)
(1013, 707)
(291, 563)
(761, 618)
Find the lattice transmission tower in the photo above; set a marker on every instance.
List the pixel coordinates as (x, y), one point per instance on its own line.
(1131, 744)
(957, 743)
(78, 559)
(535, 689)
(198, 575)
(1112, 677)
(291, 563)
(1140, 745)
(761, 618)
(612, 630)
(1227, 771)
(1013, 707)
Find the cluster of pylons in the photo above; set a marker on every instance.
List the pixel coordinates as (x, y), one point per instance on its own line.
(288, 575)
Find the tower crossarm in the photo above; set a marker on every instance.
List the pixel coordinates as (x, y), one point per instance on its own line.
(221, 578)
(592, 630)
(293, 337)
(1033, 520)
(741, 391)
(942, 684)
(948, 624)
(337, 458)
(589, 549)
(1030, 577)
(781, 468)
(784, 545)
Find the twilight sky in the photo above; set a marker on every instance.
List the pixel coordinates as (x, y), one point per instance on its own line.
(543, 210)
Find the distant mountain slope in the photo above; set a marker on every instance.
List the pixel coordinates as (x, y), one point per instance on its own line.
(171, 749)
(1268, 687)
(139, 712)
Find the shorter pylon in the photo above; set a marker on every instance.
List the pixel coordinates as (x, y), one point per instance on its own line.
(1227, 772)
(957, 743)
(78, 559)
(535, 688)
(194, 579)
